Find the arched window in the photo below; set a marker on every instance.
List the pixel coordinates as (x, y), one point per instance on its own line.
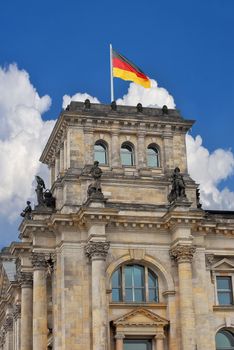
(134, 283)
(224, 340)
(100, 152)
(153, 156)
(127, 154)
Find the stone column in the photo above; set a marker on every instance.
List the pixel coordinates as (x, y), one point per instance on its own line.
(89, 146)
(115, 150)
(141, 150)
(26, 310)
(97, 252)
(39, 302)
(168, 150)
(61, 160)
(159, 341)
(119, 341)
(183, 254)
(16, 326)
(8, 327)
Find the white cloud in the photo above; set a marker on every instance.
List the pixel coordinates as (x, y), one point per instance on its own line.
(208, 170)
(154, 96)
(78, 97)
(22, 137)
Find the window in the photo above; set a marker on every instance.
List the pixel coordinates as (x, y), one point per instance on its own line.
(100, 152)
(224, 340)
(152, 156)
(224, 290)
(134, 283)
(127, 154)
(131, 344)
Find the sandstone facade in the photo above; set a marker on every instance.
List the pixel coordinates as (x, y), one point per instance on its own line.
(57, 284)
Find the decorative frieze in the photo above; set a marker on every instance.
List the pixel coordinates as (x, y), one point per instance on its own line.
(25, 279)
(97, 249)
(39, 261)
(182, 253)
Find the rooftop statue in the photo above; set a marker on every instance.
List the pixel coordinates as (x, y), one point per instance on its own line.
(164, 109)
(87, 104)
(113, 106)
(44, 196)
(139, 108)
(27, 212)
(178, 187)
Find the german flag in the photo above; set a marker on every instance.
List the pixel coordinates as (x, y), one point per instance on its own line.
(126, 70)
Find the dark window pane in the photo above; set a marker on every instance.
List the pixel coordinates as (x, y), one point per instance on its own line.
(138, 276)
(100, 153)
(128, 294)
(152, 157)
(224, 340)
(128, 276)
(116, 294)
(224, 298)
(137, 344)
(153, 295)
(224, 283)
(126, 155)
(116, 279)
(151, 279)
(139, 294)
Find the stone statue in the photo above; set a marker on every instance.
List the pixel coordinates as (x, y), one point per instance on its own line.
(165, 109)
(113, 106)
(94, 189)
(178, 187)
(87, 103)
(27, 212)
(44, 196)
(139, 108)
(39, 190)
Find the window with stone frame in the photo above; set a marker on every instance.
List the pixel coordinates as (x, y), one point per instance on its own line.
(224, 290)
(134, 283)
(153, 159)
(224, 340)
(100, 152)
(127, 154)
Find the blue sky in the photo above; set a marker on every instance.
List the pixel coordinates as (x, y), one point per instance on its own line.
(187, 46)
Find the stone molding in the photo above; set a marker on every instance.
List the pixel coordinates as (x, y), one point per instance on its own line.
(16, 311)
(182, 253)
(25, 279)
(97, 250)
(39, 261)
(119, 336)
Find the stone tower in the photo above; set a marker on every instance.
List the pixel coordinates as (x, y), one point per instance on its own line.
(115, 266)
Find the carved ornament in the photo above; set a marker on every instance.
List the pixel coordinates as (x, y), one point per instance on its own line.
(25, 279)
(97, 249)
(39, 261)
(16, 311)
(182, 253)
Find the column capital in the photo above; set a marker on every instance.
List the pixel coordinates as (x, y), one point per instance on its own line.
(160, 335)
(97, 250)
(182, 253)
(119, 335)
(25, 279)
(16, 311)
(39, 261)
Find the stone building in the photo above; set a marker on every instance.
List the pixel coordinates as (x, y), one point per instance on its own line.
(115, 265)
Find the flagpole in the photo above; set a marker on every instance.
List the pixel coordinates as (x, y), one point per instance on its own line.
(111, 75)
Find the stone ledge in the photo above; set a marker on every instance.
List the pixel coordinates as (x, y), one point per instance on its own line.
(223, 308)
(122, 305)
